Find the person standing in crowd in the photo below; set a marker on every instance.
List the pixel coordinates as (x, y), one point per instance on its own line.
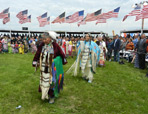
(33, 46)
(26, 38)
(147, 55)
(5, 44)
(95, 40)
(130, 49)
(59, 40)
(109, 48)
(1, 46)
(21, 48)
(16, 47)
(123, 44)
(141, 50)
(103, 50)
(135, 41)
(87, 59)
(80, 44)
(130, 45)
(9, 47)
(26, 47)
(70, 48)
(30, 42)
(51, 59)
(36, 39)
(13, 47)
(64, 45)
(116, 48)
(135, 58)
(67, 46)
(20, 39)
(74, 43)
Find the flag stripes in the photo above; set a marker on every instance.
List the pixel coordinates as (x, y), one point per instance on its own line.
(7, 19)
(4, 13)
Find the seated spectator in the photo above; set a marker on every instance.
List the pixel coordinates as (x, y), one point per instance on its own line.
(130, 45)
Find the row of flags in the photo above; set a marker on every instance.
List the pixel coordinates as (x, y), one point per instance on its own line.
(98, 16)
(78, 16)
(139, 12)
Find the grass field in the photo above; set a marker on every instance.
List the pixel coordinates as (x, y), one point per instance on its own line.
(116, 88)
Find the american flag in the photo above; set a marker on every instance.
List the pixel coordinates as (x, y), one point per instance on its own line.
(42, 18)
(7, 19)
(22, 15)
(25, 20)
(143, 14)
(104, 15)
(77, 16)
(110, 14)
(101, 21)
(47, 22)
(114, 13)
(4, 13)
(82, 22)
(135, 12)
(60, 19)
(67, 20)
(93, 16)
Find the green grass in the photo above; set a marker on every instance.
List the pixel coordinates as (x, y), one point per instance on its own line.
(116, 89)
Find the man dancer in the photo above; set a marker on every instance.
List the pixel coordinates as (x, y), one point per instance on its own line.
(52, 59)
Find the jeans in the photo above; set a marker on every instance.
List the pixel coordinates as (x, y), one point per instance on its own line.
(109, 54)
(116, 56)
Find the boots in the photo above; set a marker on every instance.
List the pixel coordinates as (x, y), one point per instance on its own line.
(51, 100)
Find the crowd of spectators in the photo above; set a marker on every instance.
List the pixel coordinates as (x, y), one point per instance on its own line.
(110, 47)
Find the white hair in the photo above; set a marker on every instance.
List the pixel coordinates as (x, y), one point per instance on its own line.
(53, 35)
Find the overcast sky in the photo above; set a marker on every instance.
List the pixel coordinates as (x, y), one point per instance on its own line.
(56, 7)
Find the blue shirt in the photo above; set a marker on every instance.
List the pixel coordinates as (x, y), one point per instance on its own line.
(135, 41)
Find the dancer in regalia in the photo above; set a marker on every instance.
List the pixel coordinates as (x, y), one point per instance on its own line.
(103, 51)
(51, 59)
(87, 59)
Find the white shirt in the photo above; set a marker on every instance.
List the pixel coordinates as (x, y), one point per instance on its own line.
(115, 42)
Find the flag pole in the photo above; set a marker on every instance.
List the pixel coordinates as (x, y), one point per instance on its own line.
(50, 26)
(142, 26)
(10, 32)
(10, 27)
(70, 27)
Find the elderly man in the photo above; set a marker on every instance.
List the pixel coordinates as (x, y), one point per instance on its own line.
(141, 50)
(51, 59)
(87, 58)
